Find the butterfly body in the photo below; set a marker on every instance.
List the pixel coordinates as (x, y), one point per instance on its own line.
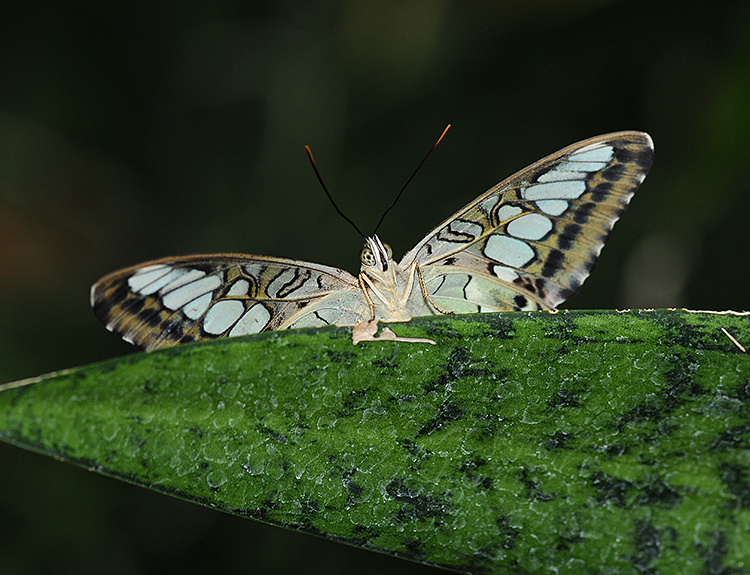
(527, 244)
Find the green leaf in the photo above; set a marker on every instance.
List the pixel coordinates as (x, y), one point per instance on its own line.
(522, 442)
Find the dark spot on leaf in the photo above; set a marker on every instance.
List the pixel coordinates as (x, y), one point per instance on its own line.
(447, 412)
(734, 476)
(361, 535)
(415, 549)
(501, 325)
(564, 398)
(681, 332)
(459, 365)
(713, 555)
(470, 470)
(743, 392)
(267, 431)
(355, 489)
(338, 356)
(681, 388)
(355, 400)
(566, 539)
(648, 546)
(533, 486)
(616, 449)
(610, 489)
(507, 533)
(309, 510)
(734, 437)
(415, 506)
(656, 492)
(559, 440)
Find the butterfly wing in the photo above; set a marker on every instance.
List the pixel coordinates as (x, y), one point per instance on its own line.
(529, 242)
(176, 300)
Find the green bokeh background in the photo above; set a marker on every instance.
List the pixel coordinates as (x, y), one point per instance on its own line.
(134, 130)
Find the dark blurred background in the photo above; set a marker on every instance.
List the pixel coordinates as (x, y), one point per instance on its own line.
(135, 130)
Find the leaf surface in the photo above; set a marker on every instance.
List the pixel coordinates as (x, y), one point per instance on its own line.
(582, 440)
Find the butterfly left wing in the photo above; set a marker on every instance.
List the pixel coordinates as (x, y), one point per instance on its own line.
(529, 242)
(177, 300)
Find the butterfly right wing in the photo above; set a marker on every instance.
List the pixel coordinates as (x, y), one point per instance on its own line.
(177, 300)
(529, 242)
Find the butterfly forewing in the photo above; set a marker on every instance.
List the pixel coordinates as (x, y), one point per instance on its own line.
(177, 300)
(531, 241)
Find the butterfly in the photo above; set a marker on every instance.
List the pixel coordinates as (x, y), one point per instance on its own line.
(528, 243)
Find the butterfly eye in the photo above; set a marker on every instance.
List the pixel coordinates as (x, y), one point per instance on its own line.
(367, 257)
(388, 251)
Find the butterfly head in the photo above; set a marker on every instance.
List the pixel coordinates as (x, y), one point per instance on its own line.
(376, 256)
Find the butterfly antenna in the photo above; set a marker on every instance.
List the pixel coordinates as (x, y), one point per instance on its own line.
(435, 145)
(320, 179)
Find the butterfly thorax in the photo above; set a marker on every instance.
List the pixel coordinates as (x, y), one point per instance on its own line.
(386, 283)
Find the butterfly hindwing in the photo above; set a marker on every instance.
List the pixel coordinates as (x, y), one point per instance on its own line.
(177, 300)
(530, 241)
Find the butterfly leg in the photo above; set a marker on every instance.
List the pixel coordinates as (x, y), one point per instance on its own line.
(368, 298)
(366, 330)
(426, 295)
